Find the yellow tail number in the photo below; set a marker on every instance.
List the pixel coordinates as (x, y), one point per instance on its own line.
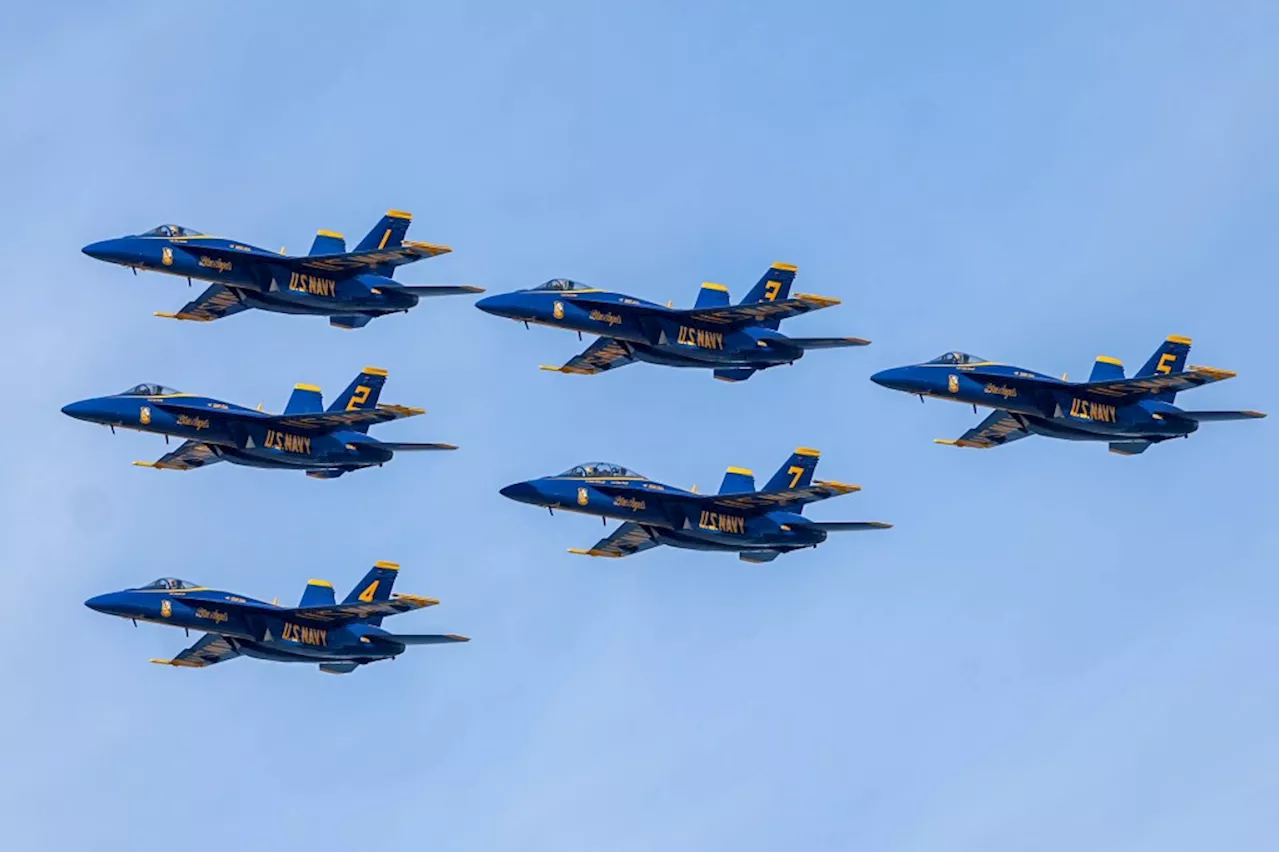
(358, 398)
(367, 594)
(796, 473)
(771, 289)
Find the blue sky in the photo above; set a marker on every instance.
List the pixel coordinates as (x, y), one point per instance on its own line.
(1054, 648)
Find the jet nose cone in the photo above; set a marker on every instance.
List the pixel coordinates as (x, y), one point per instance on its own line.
(501, 305)
(108, 250)
(82, 410)
(898, 378)
(101, 603)
(523, 492)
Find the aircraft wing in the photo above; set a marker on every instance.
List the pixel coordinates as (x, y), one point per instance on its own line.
(605, 354)
(211, 649)
(736, 315)
(626, 540)
(1140, 386)
(214, 303)
(999, 428)
(342, 613)
(347, 262)
(812, 493)
(189, 456)
(329, 421)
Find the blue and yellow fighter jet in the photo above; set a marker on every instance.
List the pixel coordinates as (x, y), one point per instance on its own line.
(307, 437)
(1129, 414)
(319, 630)
(757, 525)
(348, 287)
(732, 341)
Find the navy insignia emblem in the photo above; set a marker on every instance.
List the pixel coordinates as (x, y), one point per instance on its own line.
(582, 497)
(557, 310)
(166, 608)
(166, 256)
(953, 383)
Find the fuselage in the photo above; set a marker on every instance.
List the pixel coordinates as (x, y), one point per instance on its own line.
(1045, 405)
(258, 281)
(654, 333)
(254, 628)
(235, 439)
(674, 516)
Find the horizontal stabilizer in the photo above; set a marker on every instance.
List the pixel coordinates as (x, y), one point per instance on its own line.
(849, 526)
(766, 314)
(1160, 386)
(734, 374)
(827, 342)
(402, 446)
(759, 555)
(1128, 448)
(426, 290)
(350, 321)
(421, 638)
(1216, 416)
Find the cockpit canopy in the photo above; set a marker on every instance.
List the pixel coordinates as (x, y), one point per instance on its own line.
(957, 358)
(149, 389)
(171, 231)
(170, 583)
(601, 469)
(562, 284)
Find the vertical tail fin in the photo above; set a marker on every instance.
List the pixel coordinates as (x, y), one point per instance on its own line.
(362, 393)
(376, 586)
(1106, 369)
(1171, 357)
(738, 480)
(796, 472)
(712, 296)
(774, 286)
(328, 242)
(388, 233)
(305, 399)
(317, 593)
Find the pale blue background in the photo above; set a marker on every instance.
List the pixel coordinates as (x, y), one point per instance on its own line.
(1054, 649)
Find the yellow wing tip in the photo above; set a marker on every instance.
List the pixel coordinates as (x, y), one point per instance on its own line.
(1213, 372)
(807, 451)
(144, 464)
(433, 248)
(390, 566)
(1177, 338)
(399, 214)
(458, 637)
(785, 267)
(947, 441)
(842, 487)
(418, 599)
(708, 285)
(1107, 359)
(551, 369)
(819, 301)
(375, 371)
(324, 583)
(306, 388)
(741, 471)
(593, 552)
(323, 233)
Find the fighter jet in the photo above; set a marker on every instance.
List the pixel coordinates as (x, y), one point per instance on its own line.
(734, 342)
(1128, 414)
(325, 444)
(348, 287)
(757, 525)
(338, 637)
